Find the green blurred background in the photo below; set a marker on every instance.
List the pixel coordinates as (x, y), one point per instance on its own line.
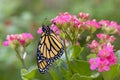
(18, 16)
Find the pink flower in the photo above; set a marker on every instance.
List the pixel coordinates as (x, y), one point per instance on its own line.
(106, 51)
(104, 22)
(55, 29)
(39, 31)
(11, 39)
(66, 18)
(22, 41)
(102, 36)
(106, 57)
(108, 23)
(118, 29)
(109, 26)
(83, 15)
(111, 39)
(94, 46)
(94, 62)
(14, 39)
(93, 23)
(106, 37)
(62, 18)
(103, 65)
(27, 36)
(75, 22)
(112, 59)
(5, 43)
(113, 24)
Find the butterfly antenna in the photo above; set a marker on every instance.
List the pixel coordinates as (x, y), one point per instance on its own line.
(44, 21)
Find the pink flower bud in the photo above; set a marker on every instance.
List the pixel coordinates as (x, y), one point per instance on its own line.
(83, 15)
(6, 43)
(93, 23)
(39, 31)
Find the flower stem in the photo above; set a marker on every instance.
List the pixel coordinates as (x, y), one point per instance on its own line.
(68, 63)
(20, 58)
(67, 34)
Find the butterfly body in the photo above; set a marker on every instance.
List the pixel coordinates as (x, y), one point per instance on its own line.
(46, 29)
(49, 49)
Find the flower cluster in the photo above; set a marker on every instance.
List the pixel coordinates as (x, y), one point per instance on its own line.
(105, 53)
(105, 58)
(94, 46)
(15, 39)
(68, 19)
(75, 25)
(62, 18)
(106, 38)
(83, 20)
(109, 26)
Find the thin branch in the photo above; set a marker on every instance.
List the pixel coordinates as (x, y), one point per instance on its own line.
(20, 58)
(68, 63)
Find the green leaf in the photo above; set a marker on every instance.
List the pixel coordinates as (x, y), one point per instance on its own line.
(56, 73)
(118, 56)
(66, 73)
(27, 74)
(112, 73)
(77, 76)
(83, 68)
(33, 73)
(91, 56)
(75, 51)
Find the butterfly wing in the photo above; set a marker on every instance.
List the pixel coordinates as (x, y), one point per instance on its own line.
(56, 48)
(49, 49)
(43, 64)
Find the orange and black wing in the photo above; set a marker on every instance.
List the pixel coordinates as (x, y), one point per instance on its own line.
(49, 49)
(43, 64)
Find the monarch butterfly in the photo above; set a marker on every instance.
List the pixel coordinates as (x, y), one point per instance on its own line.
(49, 49)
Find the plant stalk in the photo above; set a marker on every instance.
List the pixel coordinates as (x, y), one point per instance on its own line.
(66, 56)
(20, 58)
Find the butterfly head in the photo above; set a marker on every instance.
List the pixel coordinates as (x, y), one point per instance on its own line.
(46, 29)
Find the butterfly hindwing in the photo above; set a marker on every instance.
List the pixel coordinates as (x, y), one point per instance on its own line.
(43, 64)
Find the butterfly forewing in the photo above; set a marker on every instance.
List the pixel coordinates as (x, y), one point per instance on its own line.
(42, 38)
(47, 42)
(58, 44)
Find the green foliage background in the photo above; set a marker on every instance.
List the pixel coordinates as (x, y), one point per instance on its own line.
(18, 16)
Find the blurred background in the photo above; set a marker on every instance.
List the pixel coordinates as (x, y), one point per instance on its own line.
(18, 16)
